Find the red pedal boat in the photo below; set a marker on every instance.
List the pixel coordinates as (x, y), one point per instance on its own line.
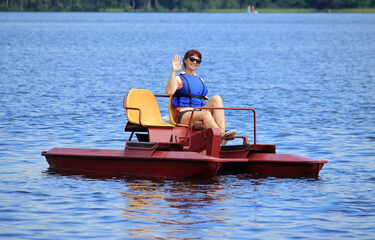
(170, 150)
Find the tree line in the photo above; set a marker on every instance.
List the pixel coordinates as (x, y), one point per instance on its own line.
(175, 5)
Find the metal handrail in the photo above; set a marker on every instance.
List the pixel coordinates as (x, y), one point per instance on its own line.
(189, 132)
(131, 108)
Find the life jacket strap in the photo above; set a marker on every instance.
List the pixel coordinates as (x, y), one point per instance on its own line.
(193, 96)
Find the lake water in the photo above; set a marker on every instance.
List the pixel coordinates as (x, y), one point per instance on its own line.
(310, 77)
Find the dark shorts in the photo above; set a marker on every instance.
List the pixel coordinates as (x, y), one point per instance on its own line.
(182, 114)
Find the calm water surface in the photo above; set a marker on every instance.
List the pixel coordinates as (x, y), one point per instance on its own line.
(310, 77)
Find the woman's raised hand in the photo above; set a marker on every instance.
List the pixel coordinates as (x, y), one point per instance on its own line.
(176, 63)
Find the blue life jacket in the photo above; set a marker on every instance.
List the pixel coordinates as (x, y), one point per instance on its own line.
(192, 94)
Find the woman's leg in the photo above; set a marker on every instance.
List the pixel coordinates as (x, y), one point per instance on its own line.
(211, 118)
(204, 116)
(218, 114)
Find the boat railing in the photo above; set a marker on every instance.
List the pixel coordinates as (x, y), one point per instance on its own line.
(189, 132)
(131, 108)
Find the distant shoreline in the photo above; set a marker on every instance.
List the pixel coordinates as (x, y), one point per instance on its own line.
(230, 10)
(297, 10)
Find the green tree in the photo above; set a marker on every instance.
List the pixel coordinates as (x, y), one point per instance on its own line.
(231, 4)
(173, 5)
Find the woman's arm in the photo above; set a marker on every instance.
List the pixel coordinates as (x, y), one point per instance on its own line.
(172, 83)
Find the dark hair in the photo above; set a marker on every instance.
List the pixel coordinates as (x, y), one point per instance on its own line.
(192, 52)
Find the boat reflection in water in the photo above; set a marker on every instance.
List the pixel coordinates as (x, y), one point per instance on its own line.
(154, 208)
(174, 205)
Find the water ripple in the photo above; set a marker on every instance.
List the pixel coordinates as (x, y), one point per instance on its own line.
(310, 78)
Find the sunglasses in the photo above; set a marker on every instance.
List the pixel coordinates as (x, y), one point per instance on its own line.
(192, 59)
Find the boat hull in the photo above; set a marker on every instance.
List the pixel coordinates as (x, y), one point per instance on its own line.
(276, 165)
(116, 163)
(175, 164)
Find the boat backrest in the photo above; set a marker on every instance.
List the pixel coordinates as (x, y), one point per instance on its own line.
(145, 101)
(172, 113)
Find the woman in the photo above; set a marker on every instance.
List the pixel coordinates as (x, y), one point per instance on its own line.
(189, 91)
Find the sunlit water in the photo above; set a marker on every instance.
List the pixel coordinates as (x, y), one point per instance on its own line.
(310, 77)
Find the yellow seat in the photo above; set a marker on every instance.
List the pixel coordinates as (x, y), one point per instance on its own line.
(172, 113)
(146, 102)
